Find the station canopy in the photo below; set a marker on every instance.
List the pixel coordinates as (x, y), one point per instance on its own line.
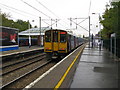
(34, 31)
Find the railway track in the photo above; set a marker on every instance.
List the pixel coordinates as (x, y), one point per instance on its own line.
(10, 62)
(22, 76)
(16, 71)
(21, 63)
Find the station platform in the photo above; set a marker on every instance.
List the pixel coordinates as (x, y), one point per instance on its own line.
(23, 49)
(96, 69)
(90, 69)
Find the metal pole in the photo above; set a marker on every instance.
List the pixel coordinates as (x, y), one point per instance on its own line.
(76, 23)
(29, 34)
(40, 31)
(89, 31)
(56, 22)
(70, 22)
(51, 23)
(100, 30)
(115, 45)
(111, 45)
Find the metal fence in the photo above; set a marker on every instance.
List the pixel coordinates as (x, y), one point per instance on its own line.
(113, 46)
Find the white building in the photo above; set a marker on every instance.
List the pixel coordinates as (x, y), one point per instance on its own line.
(35, 32)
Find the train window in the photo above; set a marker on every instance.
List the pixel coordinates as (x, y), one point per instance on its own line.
(48, 37)
(62, 36)
(55, 36)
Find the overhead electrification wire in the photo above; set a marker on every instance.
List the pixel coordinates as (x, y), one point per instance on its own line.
(49, 10)
(15, 12)
(36, 9)
(83, 20)
(80, 26)
(18, 10)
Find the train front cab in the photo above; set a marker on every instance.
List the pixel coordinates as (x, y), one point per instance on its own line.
(55, 43)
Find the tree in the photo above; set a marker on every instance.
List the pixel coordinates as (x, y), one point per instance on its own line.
(111, 21)
(19, 24)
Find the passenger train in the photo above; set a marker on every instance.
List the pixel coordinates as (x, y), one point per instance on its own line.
(58, 43)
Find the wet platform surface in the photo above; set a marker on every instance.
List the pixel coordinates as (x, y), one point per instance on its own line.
(96, 69)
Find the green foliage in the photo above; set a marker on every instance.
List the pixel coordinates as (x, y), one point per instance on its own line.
(111, 20)
(19, 24)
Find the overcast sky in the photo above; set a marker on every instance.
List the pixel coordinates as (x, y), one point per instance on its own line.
(62, 9)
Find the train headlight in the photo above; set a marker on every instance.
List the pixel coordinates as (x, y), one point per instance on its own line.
(48, 49)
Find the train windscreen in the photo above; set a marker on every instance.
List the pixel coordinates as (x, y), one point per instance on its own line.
(48, 37)
(55, 36)
(62, 36)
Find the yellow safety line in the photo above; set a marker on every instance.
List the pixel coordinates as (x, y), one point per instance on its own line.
(65, 74)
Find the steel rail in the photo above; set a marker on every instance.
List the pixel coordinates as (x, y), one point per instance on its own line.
(22, 66)
(22, 76)
(21, 61)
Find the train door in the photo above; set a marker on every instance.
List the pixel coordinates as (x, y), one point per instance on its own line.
(55, 43)
(48, 42)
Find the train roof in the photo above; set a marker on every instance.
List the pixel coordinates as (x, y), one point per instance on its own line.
(62, 30)
(55, 30)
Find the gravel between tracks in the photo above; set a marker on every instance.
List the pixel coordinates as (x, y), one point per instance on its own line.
(7, 78)
(19, 60)
(19, 65)
(30, 78)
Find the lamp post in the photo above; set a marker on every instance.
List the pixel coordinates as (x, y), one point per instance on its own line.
(99, 24)
(29, 33)
(99, 28)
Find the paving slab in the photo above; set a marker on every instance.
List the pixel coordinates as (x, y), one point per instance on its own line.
(96, 69)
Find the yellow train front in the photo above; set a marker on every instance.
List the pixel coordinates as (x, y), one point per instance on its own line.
(58, 43)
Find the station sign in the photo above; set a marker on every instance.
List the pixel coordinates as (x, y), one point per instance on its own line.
(8, 36)
(113, 35)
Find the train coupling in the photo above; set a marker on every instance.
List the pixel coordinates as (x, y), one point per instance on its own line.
(55, 55)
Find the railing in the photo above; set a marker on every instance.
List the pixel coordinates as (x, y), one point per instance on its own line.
(110, 45)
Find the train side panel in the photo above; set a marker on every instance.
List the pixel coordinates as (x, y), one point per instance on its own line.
(72, 42)
(47, 47)
(63, 47)
(75, 42)
(69, 43)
